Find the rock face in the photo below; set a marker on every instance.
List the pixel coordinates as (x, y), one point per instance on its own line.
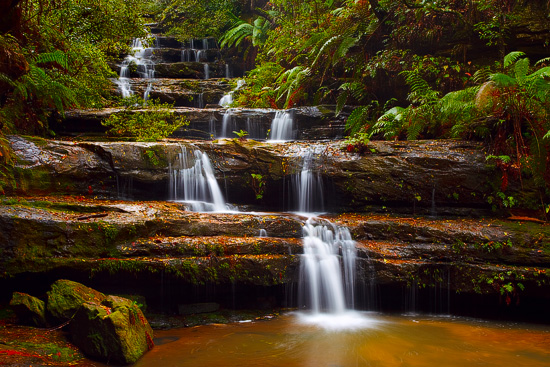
(443, 177)
(28, 309)
(113, 330)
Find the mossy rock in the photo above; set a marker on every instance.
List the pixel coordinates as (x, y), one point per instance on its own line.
(114, 330)
(29, 310)
(66, 297)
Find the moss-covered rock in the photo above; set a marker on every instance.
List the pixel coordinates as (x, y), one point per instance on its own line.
(29, 310)
(66, 297)
(113, 330)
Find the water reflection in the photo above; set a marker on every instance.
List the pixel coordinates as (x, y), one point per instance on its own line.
(383, 341)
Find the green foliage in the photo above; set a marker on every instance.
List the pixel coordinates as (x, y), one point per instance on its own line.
(258, 184)
(241, 134)
(155, 122)
(187, 19)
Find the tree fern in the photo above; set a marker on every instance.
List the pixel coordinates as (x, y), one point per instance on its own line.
(512, 57)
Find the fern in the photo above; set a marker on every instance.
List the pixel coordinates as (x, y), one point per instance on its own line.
(290, 81)
(546, 60)
(6, 79)
(237, 34)
(482, 75)
(390, 123)
(326, 44)
(345, 45)
(57, 57)
(521, 68)
(357, 120)
(512, 57)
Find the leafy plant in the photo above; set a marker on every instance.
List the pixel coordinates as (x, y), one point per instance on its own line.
(258, 184)
(241, 134)
(156, 121)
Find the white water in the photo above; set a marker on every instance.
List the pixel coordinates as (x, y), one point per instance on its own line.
(206, 71)
(263, 233)
(282, 126)
(227, 99)
(192, 180)
(141, 57)
(307, 186)
(327, 267)
(228, 125)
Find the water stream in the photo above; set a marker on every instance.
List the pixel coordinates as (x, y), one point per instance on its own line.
(192, 181)
(145, 68)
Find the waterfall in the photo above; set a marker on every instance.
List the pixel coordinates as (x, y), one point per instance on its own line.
(145, 67)
(192, 180)
(327, 267)
(206, 71)
(324, 289)
(227, 124)
(307, 193)
(282, 126)
(263, 233)
(227, 99)
(199, 101)
(227, 72)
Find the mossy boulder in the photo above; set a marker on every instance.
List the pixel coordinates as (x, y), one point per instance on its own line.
(28, 309)
(113, 330)
(66, 297)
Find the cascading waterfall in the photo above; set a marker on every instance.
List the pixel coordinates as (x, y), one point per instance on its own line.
(192, 180)
(282, 126)
(327, 267)
(228, 125)
(324, 288)
(145, 67)
(227, 99)
(307, 186)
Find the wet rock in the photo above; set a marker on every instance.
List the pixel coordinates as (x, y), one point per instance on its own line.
(194, 308)
(113, 330)
(66, 297)
(28, 309)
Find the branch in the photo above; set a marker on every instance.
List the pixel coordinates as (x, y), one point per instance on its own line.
(266, 15)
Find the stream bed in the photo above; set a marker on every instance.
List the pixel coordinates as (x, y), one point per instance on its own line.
(374, 340)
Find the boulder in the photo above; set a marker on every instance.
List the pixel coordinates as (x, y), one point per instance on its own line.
(29, 310)
(113, 330)
(66, 297)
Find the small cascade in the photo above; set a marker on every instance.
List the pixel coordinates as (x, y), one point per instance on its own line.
(324, 288)
(227, 72)
(198, 53)
(199, 101)
(192, 180)
(263, 233)
(282, 126)
(227, 99)
(212, 126)
(145, 67)
(206, 71)
(307, 193)
(228, 125)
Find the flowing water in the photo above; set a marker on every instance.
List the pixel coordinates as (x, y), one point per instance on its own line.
(420, 341)
(282, 126)
(192, 181)
(145, 67)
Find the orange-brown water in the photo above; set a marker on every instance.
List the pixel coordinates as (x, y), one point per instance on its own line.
(384, 341)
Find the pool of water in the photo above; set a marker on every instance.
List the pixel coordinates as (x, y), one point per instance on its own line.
(371, 340)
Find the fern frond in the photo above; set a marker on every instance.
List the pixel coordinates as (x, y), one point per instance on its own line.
(323, 47)
(546, 60)
(512, 57)
(341, 101)
(503, 80)
(56, 57)
(345, 45)
(235, 35)
(6, 79)
(482, 75)
(521, 68)
(357, 120)
(290, 81)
